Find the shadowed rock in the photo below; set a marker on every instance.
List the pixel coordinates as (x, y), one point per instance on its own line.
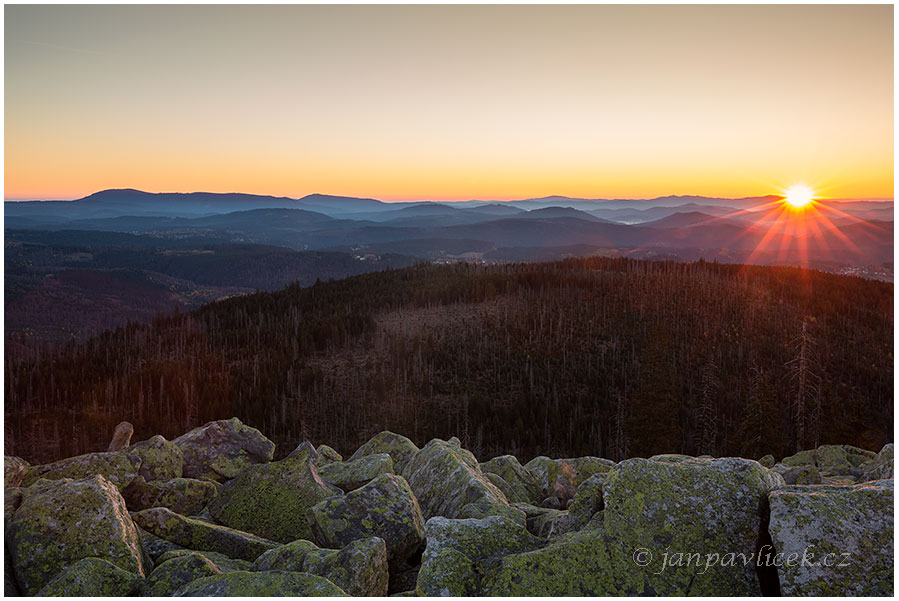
(261, 584)
(201, 536)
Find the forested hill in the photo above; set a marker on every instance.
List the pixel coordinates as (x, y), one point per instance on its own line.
(608, 357)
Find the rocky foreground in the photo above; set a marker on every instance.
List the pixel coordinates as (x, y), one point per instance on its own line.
(210, 514)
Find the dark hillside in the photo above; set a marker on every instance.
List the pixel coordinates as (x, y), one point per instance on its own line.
(609, 357)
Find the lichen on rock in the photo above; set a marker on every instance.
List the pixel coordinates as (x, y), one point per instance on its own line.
(445, 478)
(350, 475)
(92, 577)
(261, 584)
(176, 572)
(359, 568)
(221, 449)
(385, 507)
(182, 495)
(851, 527)
(685, 506)
(120, 468)
(523, 486)
(62, 521)
(400, 449)
(202, 536)
(272, 500)
(161, 459)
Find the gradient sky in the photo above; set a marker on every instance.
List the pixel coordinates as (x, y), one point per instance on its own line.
(449, 102)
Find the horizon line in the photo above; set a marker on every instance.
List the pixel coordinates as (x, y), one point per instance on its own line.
(457, 200)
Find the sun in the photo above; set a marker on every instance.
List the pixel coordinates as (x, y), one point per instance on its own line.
(799, 196)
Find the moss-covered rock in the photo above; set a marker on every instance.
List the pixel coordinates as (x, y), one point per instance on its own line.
(575, 564)
(688, 506)
(176, 572)
(14, 469)
(160, 459)
(767, 461)
(350, 475)
(221, 561)
(385, 507)
(400, 449)
(858, 456)
(327, 455)
(201, 536)
(60, 522)
(803, 474)
(445, 478)
(553, 481)
(587, 501)
(155, 546)
(586, 467)
(456, 548)
(288, 558)
(879, 468)
(92, 577)
(801, 458)
(117, 467)
(551, 523)
(834, 540)
(560, 478)
(522, 484)
(221, 449)
(272, 500)
(182, 495)
(261, 584)
(360, 568)
(832, 457)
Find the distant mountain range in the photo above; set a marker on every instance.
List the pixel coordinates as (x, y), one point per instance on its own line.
(126, 254)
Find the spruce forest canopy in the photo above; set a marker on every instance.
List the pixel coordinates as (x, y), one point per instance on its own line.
(609, 357)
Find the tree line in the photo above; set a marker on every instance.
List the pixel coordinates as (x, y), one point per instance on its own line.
(598, 356)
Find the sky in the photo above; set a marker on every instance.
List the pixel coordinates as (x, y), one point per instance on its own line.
(449, 102)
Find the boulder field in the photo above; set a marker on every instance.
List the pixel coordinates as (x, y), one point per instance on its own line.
(212, 514)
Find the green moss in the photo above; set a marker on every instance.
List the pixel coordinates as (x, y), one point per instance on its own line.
(400, 449)
(522, 485)
(445, 478)
(327, 455)
(576, 564)
(176, 572)
(272, 500)
(160, 459)
(350, 475)
(261, 584)
(220, 560)
(856, 520)
(800, 458)
(385, 507)
(682, 511)
(60, 522)
(92, 577)
(202, 536)
(118, 467)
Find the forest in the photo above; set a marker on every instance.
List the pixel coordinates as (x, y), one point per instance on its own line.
(596, 356)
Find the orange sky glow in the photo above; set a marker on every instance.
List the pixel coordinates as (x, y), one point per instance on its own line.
(449, 102)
